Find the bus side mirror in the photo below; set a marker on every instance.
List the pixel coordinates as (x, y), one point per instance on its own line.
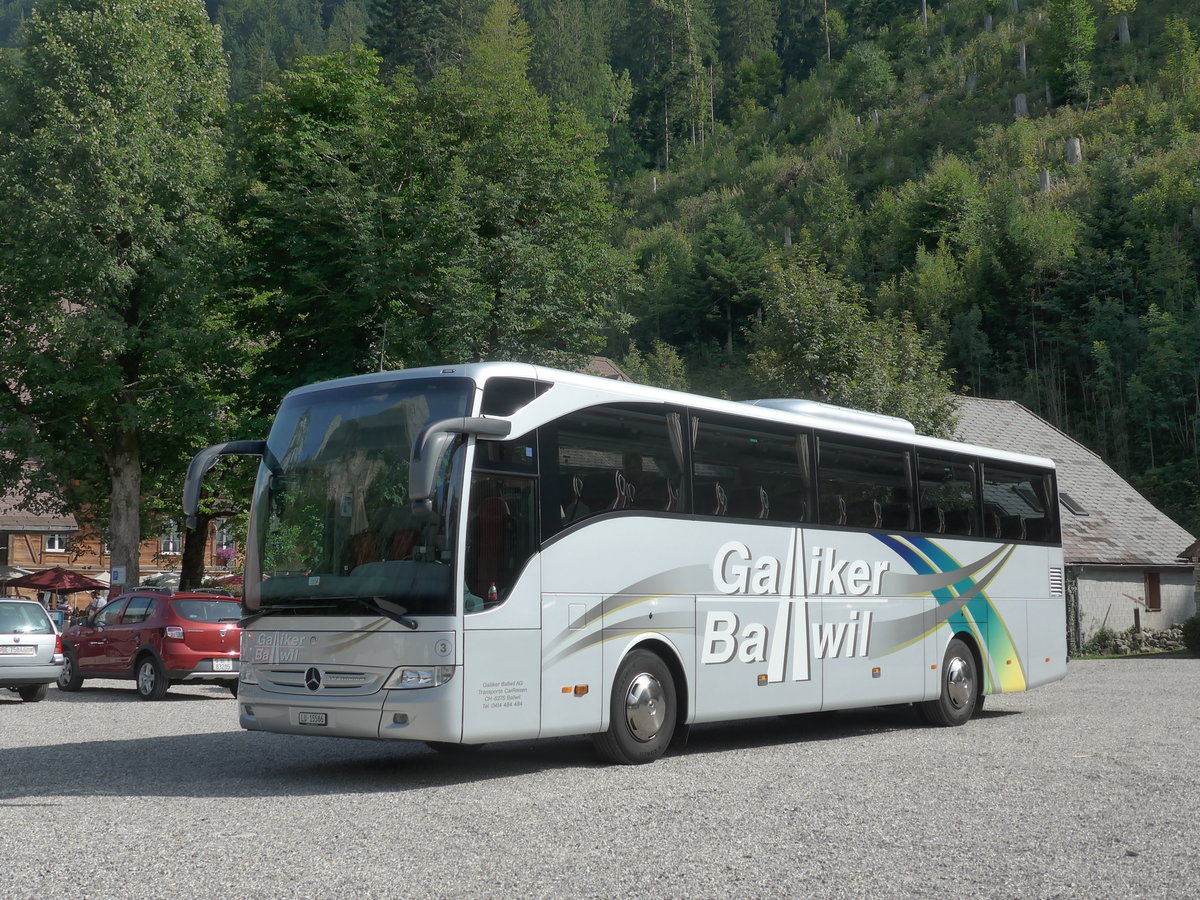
(205, 460)
(430, 446)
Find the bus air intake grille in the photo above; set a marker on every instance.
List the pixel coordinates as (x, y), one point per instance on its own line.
(1056, 582)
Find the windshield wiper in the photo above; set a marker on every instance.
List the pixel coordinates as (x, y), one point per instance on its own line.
(373, 604)
(396, 614)
(267, 611)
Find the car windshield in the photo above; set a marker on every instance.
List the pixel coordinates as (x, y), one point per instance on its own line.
(24, 618)
(209, 610)
(333, 524)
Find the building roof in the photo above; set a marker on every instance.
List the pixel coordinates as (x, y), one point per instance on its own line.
(604, 367)
(1119, 527)
(13, 518)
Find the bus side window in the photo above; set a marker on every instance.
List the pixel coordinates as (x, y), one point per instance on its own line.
(946, 494)
(865, 485)
(1017, 505)
(615, 458)
(748, 470)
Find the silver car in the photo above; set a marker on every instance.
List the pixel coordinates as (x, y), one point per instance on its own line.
(30, 648)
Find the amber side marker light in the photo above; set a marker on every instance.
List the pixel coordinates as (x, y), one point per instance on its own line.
(762, 680)
(579, 690)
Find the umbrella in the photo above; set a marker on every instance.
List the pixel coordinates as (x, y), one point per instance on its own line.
(58, 580)
(7, 572)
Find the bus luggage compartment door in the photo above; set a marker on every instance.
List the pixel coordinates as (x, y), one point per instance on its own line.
(573, 692)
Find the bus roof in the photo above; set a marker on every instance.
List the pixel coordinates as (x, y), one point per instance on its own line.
(593, 389)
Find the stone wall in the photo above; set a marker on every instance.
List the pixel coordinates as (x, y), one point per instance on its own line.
(1108, 596)
(1169, 640)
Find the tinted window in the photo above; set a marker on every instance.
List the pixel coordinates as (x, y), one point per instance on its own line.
(864, 486)
(504, 396)
(111, 613)
(617, 457)
(138, 610)
(743, 471)
(1016, 505)
(947, 495)
(208, 610)
(501, 536)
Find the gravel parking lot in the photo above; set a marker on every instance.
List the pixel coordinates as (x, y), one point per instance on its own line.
(1087, 788)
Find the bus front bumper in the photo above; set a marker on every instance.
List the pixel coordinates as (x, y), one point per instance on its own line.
(428, 714)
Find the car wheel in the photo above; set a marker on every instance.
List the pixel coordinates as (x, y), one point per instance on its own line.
(642, 712)
(152, 681)
(32, 693)
(69, 676)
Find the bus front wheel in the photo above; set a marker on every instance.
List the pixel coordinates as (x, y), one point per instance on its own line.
(642, 712)
(959, 696)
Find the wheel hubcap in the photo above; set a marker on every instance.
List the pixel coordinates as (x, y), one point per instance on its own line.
(958, 683)
(146, 678)
(645, 707)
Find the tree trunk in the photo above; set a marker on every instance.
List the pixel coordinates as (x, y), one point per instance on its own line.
(124, 526)
(191, 564)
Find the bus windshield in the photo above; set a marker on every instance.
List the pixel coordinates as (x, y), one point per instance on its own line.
(333, 525)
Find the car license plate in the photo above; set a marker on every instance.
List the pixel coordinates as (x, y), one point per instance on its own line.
(309, 718)
(222, 665)
(26, 650)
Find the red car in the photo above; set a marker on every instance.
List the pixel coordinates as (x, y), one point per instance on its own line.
(157, 638)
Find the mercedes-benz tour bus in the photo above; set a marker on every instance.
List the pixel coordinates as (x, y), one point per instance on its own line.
(501, 551)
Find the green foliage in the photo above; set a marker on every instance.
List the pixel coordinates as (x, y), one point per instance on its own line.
(426, 36)
(111, 191)
(1102, 643)
(662, 366)
(818, 340)
(1191, 635)
(1069, 44)
(867, 77)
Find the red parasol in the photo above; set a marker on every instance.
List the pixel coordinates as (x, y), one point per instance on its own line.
(58, 580)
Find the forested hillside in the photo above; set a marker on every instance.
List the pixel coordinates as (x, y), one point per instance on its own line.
(876, 202)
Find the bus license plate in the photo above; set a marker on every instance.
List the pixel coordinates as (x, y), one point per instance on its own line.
(312, 718)
(222, 665)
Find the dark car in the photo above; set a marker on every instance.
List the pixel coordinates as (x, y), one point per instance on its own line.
(31, 653)
(157, 638)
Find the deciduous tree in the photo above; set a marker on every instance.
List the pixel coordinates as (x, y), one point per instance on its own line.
(110, 193)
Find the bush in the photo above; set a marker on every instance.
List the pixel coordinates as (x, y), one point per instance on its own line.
(1103, 642)
(1191, 635)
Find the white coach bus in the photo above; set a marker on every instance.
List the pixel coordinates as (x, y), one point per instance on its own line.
(500, 551)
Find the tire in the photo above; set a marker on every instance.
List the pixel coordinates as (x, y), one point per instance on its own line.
(150, 679)
(32, 693)
(642, 711)
(69, 676)
(959, 697)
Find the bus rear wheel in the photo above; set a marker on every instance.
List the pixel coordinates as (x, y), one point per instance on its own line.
(642, 711)
(959, 696)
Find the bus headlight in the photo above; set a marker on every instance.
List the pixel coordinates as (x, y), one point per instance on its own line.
(407, 677)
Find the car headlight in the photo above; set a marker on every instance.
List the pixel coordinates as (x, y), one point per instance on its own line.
(407, 677)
